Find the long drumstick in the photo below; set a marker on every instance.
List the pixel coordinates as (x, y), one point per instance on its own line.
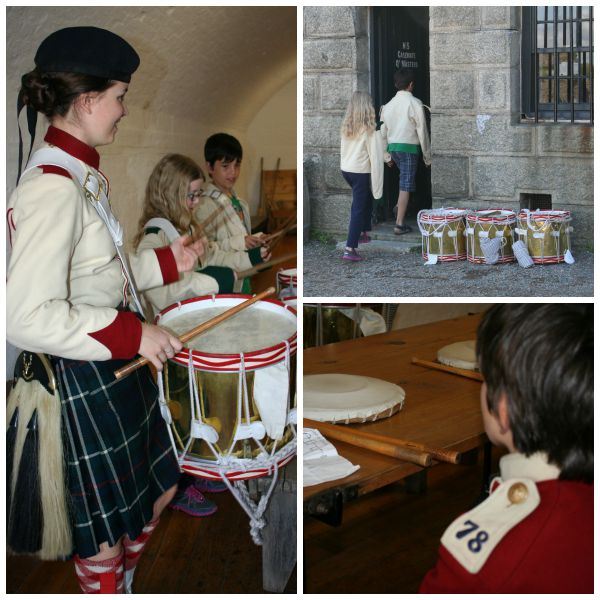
(290, 225)
(186, 337)
(450, 456)
(213, 215)
(272, 236)
(448, 369)
(262, 266)
(389, 446)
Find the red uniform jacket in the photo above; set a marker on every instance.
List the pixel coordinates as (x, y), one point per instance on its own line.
(550, 551)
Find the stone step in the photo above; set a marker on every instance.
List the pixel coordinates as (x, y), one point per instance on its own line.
(385, 245)
(383, 238)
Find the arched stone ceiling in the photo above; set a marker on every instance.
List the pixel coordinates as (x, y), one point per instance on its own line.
(206, 64)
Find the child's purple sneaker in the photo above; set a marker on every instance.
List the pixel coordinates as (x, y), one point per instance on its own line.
(364, 238)
(210, 486)
(352, 255)
(192, 502)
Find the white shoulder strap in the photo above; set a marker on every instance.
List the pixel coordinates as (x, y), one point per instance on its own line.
(93, 188)
(95, 191)
(166, 226)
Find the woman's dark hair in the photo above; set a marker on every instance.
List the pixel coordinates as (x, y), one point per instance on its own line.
(222, 146)
(53, 93)
(541, 356)
(403, 78)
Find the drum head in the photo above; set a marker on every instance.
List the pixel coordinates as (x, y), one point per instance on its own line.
(338, 398)
(460, 354)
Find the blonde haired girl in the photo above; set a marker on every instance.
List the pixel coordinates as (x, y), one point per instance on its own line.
(361, 162)
(173, 190)
(359, 117)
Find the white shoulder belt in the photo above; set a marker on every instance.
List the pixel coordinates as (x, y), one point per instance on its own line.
(95, 191)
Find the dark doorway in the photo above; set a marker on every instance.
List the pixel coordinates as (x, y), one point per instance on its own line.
(400, 38)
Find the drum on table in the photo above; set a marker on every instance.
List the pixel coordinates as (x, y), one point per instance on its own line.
(343, 398)
(490, 224)
(546, 233)
(231, 391)
(287, 282)
(443, 234)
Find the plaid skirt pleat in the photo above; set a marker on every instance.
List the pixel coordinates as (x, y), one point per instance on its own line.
(118, 452)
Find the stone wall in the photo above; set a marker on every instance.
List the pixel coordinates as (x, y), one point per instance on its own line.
(483, 155)
(336, 63)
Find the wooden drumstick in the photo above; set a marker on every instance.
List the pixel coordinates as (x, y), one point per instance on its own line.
(288, 226)
(388, 446)
(272, 236)
(449, 456)
(263, 266)
(208, 221)
(448, 369)
(186, 337)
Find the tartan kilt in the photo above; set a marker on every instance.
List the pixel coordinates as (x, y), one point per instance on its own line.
(117, 449)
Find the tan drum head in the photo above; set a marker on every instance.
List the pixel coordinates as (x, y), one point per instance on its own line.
(339, 398)
(460, 354)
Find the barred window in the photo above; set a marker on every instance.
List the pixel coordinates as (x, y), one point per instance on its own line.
(558, 64)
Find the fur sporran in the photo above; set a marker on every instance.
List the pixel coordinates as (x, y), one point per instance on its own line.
(38, 520)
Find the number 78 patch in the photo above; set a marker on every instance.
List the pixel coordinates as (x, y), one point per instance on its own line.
(473, 536)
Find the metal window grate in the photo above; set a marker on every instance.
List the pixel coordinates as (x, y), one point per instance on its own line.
(535, 201)
(557, 61)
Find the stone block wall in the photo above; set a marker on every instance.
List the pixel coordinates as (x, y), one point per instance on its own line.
(336, 63)
(483, 155)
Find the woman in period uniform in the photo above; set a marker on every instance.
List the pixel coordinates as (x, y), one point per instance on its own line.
(67, 295)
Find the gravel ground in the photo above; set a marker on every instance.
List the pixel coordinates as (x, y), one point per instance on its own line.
(390, 273)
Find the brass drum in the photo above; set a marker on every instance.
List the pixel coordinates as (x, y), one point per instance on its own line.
(325, 324)
(546, 233)
(490, 223)
(443, 233)
(220, 388)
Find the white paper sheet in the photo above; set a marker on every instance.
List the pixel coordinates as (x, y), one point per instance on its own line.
(321, 460)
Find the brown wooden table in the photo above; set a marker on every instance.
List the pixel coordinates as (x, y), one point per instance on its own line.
(440, 410)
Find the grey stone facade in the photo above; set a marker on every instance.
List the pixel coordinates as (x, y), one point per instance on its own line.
(336, 63)
(482, 154)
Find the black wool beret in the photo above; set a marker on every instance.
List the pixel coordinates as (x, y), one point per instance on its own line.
(87, 51)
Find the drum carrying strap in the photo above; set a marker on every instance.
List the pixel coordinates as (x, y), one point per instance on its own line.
(95, 190)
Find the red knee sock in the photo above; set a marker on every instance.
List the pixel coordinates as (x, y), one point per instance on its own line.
(100, 576)
(133, 551)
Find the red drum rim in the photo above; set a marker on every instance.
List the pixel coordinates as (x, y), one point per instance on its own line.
(478, 216)
(206, 469)
(288, 275)
(546, 215)
(447, 257)
(436, 215)
(481, 261)
(548, 260)
(230, 363)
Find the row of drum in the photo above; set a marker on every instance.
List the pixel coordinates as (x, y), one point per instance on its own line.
(450, 234)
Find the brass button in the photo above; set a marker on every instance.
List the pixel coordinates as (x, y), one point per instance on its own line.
(518, 493)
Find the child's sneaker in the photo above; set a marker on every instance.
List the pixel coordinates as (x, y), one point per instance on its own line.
(364, 238)
(192, 502)
(210, 486)
(351, 255)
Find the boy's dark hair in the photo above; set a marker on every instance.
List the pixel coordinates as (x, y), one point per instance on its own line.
(541, 356)
(403, 78)
(222, 146)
